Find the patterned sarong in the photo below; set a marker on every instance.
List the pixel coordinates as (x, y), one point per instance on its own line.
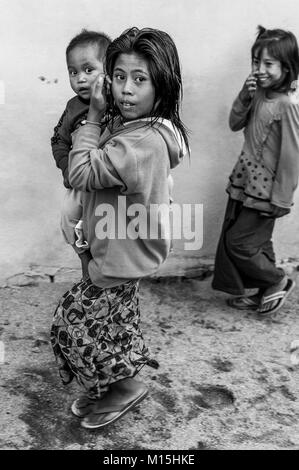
(96, 335)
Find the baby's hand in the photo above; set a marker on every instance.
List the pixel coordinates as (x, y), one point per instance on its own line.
(66, 179)
(249, 88)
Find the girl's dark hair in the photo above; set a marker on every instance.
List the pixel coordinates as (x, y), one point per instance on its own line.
(90, 37)
(159, 50)
(283, 46)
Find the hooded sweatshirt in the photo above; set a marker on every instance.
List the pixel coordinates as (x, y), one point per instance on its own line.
(125, 195)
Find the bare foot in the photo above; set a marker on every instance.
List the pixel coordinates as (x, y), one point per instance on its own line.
(249, 302)
(274, 301)
(276, 287)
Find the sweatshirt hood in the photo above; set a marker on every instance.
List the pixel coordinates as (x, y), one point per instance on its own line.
(172, 137)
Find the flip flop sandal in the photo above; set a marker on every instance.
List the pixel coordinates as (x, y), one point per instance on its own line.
(90, 423)
(82, 406)
(277, 298)
(243, 303)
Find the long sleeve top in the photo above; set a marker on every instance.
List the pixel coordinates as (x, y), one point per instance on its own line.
(267, 170)
(76, 110)
(120, 172)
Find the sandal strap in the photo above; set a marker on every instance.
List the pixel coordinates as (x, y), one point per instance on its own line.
(241, 302)
(280, 294)
(247, 301)
(276, 296)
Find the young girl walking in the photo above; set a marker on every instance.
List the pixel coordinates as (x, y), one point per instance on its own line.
(96, 335)
(263, 181)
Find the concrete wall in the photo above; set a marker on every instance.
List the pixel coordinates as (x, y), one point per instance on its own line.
(213, 38)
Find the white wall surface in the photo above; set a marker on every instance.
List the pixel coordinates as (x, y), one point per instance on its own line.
(213, 38)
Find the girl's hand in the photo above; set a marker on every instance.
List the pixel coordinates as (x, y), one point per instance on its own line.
(276, 212)
(249, 88)
(98, 101)
(279, 211)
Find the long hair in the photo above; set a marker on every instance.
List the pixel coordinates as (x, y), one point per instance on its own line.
(283, 46)
(160, 52)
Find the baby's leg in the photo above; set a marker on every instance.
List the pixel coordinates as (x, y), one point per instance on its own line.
(85, 257)
(71, 215)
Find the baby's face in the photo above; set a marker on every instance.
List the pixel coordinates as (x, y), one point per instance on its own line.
(84, 66)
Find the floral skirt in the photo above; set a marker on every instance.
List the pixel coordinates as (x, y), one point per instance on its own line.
(96, 335)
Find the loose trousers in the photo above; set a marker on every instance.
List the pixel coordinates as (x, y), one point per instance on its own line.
(245, 258)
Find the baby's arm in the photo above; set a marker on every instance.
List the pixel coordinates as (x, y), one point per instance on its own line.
(240, 111)
(287, 171)
(61, 144)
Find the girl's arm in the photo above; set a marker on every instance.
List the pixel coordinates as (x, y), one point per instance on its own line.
(287, 171)
(240, 111)
(92, 168)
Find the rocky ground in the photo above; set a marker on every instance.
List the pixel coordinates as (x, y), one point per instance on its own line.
(227, 379)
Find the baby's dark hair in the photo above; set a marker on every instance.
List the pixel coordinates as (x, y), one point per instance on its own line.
(283, 46)
(158, 48)
(102, 40)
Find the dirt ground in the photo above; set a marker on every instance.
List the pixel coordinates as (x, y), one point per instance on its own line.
(226, 379)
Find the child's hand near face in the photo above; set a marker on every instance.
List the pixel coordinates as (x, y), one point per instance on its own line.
(249, 88)
(98, 98)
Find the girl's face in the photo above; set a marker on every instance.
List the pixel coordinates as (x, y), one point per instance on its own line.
(84, 65)
(267, 69)
(132, 87)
